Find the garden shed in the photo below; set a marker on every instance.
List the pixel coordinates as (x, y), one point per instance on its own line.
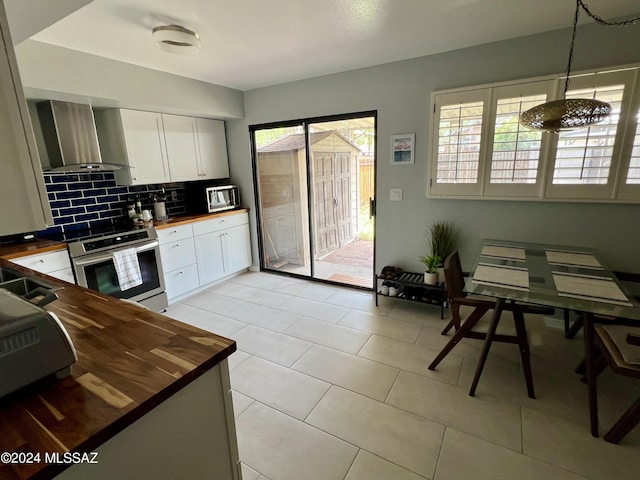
(284, 195)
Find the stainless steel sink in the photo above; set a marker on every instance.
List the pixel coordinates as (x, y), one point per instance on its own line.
(7, 274)
(35, 289)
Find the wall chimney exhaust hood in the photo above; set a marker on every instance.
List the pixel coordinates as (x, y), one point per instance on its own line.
(70, 136)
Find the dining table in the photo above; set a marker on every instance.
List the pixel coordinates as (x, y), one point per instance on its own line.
(569, 278)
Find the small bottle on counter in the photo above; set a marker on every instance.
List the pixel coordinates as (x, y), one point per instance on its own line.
(131, 210)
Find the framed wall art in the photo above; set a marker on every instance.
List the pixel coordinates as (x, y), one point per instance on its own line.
(403, 149)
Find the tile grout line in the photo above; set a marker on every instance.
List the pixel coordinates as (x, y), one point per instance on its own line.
(460, 374)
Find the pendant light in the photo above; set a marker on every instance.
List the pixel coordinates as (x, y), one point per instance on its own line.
(567, 114)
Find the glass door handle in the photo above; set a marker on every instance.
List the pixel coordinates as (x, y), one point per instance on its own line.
(372, 207)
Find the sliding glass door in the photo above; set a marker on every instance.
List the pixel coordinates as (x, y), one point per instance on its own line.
(280, 166)
(315, 182)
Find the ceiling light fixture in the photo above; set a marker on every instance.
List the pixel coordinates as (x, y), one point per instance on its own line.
(176, 39)
(567, 114)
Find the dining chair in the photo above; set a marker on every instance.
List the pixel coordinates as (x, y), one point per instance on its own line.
(470, 317)
(617, 346)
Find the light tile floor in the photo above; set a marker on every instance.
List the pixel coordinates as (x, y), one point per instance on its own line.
(328, 386)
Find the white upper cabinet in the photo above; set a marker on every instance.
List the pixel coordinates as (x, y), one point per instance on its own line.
(137, 139)
(162, 148)
(25, 206)
(212, 146)
(182, 147)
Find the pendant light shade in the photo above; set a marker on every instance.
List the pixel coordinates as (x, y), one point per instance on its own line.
(565, 114)
(176, 39)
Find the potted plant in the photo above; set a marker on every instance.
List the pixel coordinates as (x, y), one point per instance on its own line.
(444, 238)
(432, 262)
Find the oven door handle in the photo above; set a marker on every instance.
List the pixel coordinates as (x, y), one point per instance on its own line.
(87, 260)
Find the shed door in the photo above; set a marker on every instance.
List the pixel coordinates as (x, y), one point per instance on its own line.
(343, 196)
(332, 200)
(324, 203)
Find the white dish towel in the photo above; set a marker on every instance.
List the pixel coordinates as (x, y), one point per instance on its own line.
(127, 268)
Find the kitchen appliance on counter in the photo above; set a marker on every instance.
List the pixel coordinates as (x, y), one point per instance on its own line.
(208, 199)
(33, 342)
(159, 206)
(96, 261)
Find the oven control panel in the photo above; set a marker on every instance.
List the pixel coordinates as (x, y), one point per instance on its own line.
(114, 240)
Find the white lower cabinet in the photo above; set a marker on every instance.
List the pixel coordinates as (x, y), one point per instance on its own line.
(55, 264)
(181, 281)
(197, 254)
(222, 246)
(210, 248)
(178, 257)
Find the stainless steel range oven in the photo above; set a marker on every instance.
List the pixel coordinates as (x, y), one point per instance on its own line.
(95, 267)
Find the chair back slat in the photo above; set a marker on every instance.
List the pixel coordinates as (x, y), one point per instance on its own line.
(454, 276)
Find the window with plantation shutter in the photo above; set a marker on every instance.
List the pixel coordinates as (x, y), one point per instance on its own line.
(584, 155)
(516, 149)
(586, 159)
(633, 173)
(479, 149)
(629, 187)
(459, 143)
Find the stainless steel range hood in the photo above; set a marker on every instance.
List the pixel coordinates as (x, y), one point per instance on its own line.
(70, 136)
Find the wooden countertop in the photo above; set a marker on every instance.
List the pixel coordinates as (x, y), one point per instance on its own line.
(31, 248)
(129, 360)
(43, 246)
(184, 219)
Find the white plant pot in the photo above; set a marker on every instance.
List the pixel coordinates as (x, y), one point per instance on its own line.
(430, 278)
(441, 277)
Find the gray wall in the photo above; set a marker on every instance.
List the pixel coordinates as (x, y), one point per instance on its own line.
(50, 72)
(400, 92)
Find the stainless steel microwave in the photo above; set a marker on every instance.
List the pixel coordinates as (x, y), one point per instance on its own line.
(209, 199)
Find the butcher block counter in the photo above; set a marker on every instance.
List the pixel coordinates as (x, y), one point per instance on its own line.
(31, 248)
(184, 219)
(149, 397)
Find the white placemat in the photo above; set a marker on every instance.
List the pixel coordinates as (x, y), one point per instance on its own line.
(502, 276)
(500, 251)
(588, 287)
(572, 259)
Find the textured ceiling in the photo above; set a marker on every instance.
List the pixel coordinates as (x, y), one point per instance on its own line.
(248, 44)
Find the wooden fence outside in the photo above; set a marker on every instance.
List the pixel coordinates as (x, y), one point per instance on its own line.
(367, 183)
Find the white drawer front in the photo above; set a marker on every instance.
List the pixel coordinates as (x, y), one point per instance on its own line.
(65, 274)
(181, 281)
(177, 254)
(171, 234)
(215, 224)
(46, 262)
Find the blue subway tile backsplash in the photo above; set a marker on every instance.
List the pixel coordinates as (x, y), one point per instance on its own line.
(80, 200)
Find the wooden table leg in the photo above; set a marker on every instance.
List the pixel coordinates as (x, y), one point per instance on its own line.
(497, 311)
(589, 347)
